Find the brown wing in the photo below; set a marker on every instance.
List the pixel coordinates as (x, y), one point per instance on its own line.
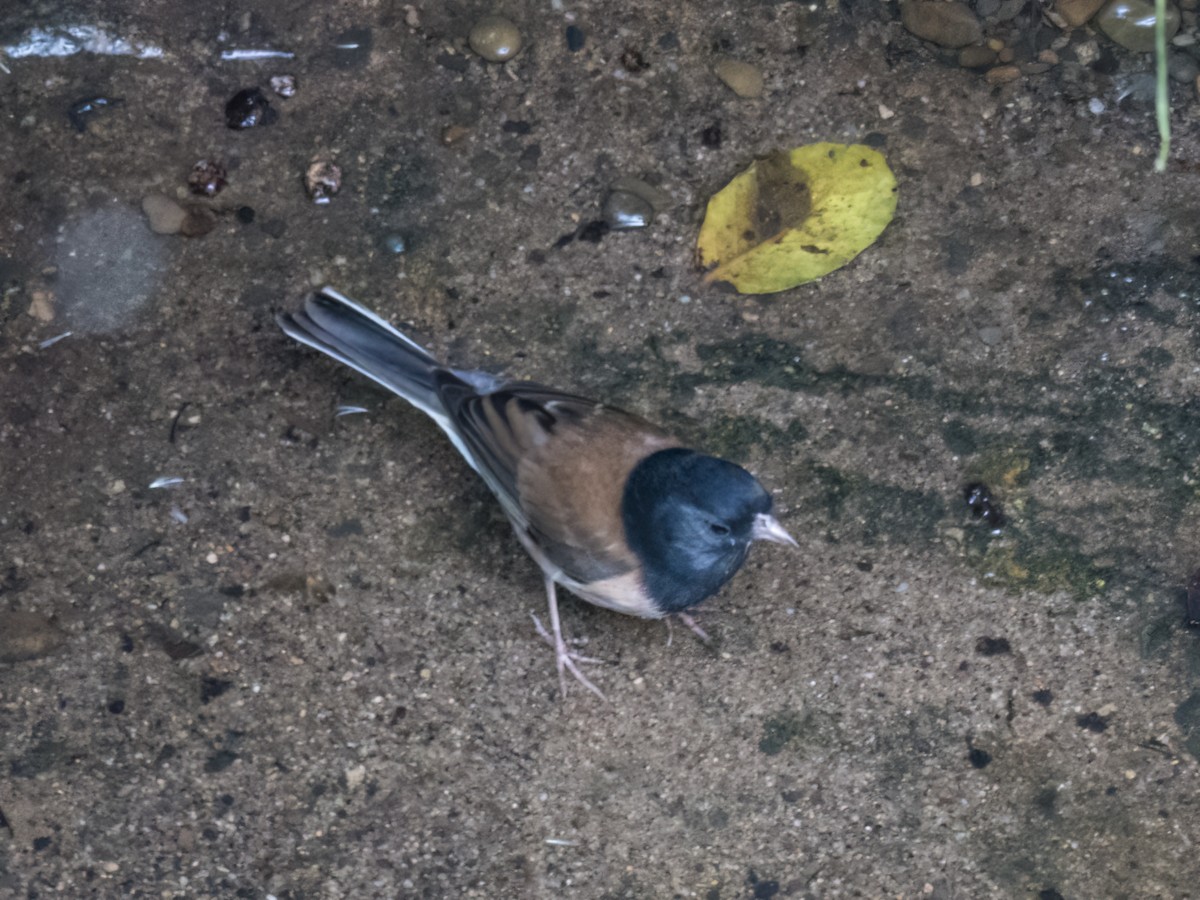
(558, 463)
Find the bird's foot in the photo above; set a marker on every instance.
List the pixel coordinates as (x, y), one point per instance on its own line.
(565, 659)
(696, 629)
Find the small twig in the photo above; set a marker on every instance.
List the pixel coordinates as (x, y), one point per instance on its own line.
(175, 421)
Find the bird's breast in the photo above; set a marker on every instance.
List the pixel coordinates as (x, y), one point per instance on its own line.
(625, 593)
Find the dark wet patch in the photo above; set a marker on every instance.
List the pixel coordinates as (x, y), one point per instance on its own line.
(874, 511)
(780, 729)
(990, 646)
(1042, 697)
(733, 437)
(345, 529)
(978, 758)
(211, 688)
(1187, 717)
(1045, 801)
(45, 753)
(1040, 558)
(402, 178)
(1156, 636)
(220, 761)
(171, 642)
(1130, 286)
(767, 361)
(959, 437)
(1032, 554)
(762, 888)
(1093, 722)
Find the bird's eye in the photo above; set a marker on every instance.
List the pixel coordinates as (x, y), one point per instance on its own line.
(718, 528)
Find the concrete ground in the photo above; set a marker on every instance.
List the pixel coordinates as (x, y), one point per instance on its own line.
(308, 670)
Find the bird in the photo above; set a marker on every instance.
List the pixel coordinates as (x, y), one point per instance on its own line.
(611, 507)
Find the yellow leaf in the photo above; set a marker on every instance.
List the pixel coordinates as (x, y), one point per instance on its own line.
(796, 215)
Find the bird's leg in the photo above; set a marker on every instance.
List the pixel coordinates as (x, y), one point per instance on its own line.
(691, 623)
(549, 639)
(565, 658)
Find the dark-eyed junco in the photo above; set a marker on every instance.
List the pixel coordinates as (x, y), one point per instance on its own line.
(610, 506)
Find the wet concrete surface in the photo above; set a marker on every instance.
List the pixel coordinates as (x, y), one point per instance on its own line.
(309, 670)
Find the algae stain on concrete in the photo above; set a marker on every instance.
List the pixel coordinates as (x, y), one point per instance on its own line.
(733, 437)
(796, 729)
(769, 362)
(876, 511)
(1027, 553)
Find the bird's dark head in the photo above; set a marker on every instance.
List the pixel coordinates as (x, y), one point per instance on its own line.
(690, 519)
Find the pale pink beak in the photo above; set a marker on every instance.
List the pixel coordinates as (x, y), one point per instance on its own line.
(767, 528)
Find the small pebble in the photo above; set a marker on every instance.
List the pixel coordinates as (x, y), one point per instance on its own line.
(284, 85)
(656, 197)
(1130, 23)
(1002, 74)
(164, 214)
(1182, 67)
(1009, 9)
(624, 211)
(575, 38)
(495, 38)
(247, 109)
(198, 222)
(984, 505)
(1049, 57)
(322, 180)
(1006, 55)
(1086, 52)
(27, 635)
(79, 111)
(41, 306)
(991, 335)
(1095, 106)
(207, 178)
(633, 62)
(1077, 12)
(740, 77)
(395, 243)
(452, 134)
(950, 25)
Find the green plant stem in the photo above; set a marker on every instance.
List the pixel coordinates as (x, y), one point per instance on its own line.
(1162, 108)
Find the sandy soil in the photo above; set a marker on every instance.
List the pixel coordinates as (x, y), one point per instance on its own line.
(309, 669)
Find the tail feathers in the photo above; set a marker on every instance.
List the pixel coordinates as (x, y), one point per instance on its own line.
(356, 337)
